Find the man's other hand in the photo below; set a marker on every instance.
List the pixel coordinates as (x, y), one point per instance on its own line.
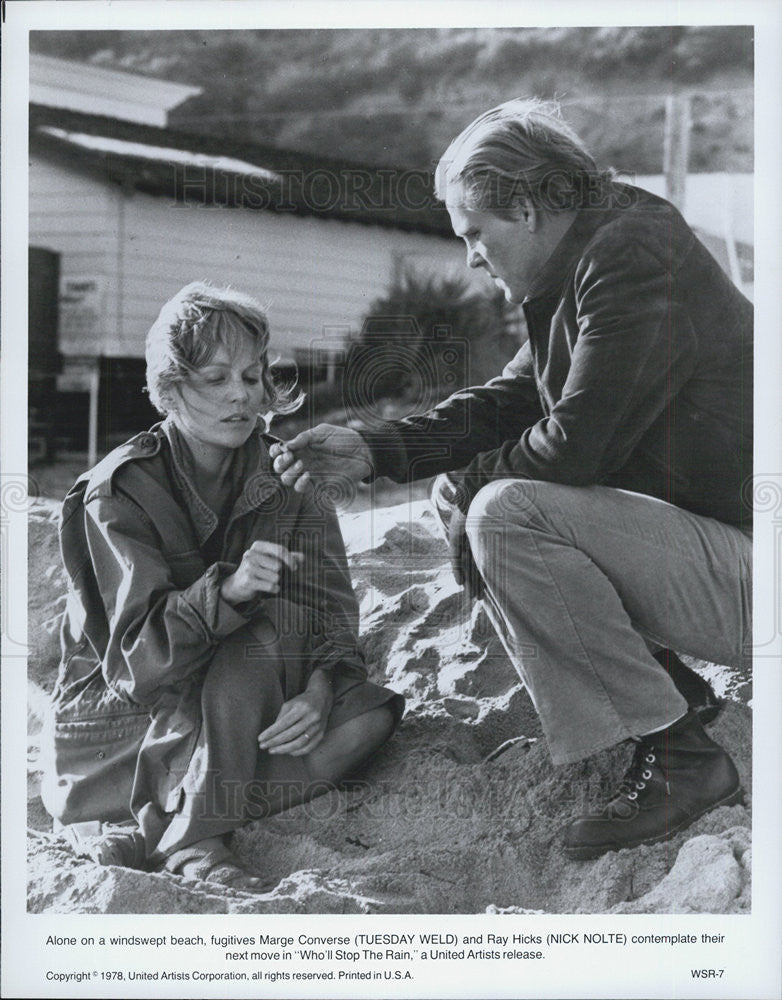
(325, 451)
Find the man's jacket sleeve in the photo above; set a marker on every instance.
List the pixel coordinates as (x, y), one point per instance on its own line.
(634, 348)
(448, 437)
(159, 634)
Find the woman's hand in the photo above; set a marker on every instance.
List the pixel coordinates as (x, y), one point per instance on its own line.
(259, 572)
(301, 723)
(325, 451)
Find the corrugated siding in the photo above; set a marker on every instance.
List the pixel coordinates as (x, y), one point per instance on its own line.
(75, 215)
(314, 275)
(317, 276)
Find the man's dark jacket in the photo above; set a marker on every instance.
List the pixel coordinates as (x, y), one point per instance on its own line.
(637, 375)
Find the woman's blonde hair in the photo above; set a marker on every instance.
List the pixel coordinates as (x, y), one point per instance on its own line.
(521, 152)
(190, 328)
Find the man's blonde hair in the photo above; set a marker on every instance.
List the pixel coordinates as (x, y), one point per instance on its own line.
(520, 153)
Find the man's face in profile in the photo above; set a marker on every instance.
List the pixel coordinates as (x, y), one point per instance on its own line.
(509, 250)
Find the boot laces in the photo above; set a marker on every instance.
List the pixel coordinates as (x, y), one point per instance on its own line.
(638, 773)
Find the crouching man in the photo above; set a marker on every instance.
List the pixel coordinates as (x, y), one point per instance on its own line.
(593, 493)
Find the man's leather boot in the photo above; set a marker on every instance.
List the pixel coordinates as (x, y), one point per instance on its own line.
(676, 776)
(696, 689)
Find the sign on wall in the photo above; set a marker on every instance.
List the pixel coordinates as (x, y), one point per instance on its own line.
(81, 309)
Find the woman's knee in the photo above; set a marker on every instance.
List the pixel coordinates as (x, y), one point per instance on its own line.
(367, 732)
(282, 628)
(239, 677)
(347, 746)
(380, 726)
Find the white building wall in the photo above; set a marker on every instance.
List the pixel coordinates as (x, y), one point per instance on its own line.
(76, 216)
(316, 276)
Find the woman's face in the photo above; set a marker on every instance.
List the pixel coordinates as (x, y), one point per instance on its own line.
(218, 404)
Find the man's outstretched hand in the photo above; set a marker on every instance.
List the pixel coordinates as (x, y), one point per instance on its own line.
(325, 451)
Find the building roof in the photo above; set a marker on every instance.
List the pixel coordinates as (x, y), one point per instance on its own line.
(60, 83)
(156, 154)
(214, 170)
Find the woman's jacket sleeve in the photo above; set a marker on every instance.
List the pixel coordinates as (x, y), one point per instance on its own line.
(159, 634)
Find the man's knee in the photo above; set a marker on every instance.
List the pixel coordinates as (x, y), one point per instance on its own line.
(506, 501)
(504, 506)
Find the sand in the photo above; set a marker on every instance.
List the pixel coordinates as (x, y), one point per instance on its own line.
(460, 813)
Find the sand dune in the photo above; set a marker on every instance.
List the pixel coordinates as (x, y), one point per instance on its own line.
(460, 813)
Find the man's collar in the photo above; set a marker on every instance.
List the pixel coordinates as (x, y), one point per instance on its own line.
(548, 280)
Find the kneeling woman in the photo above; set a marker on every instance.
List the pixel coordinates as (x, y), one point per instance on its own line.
(210, 669)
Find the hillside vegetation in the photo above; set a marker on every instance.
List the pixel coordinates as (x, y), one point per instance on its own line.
(397, 96)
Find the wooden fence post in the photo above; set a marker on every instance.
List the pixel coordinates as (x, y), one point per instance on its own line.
(676, 148)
